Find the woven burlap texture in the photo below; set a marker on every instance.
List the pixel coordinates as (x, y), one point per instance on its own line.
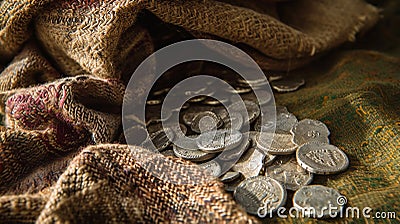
(64, 65)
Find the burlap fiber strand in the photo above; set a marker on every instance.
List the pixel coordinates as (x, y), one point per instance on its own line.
(64, 66)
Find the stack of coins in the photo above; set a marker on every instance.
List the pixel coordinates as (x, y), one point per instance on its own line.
(268, 162)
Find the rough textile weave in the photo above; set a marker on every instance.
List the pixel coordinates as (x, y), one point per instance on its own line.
(63, 69)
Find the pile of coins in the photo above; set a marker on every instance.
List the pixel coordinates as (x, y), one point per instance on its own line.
(267, 163)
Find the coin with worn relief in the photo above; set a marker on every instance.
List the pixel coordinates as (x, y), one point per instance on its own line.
(287, 85)
(160, 138)
(251, 163)
(219, 140)
(322, 158)
(285, 122)
(253, 111)
(212, 167)
(286, 170)
(260, 192)
(187, 149)
(233, 121)
(317, 201)
(235, 153)
(229, 176)
(309, 130)
(276, 144)
(205, 121)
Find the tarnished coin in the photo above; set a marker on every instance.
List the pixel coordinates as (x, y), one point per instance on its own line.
(213, 102)
(321, 158)
(253, 111)
(217, 141)
(212, 167)
(239, 90)
(160, 138)
(285, 122)
(287, 171)
(185, 149)
(231, 186)
(235, 153)
(276, 144)
(161, 92)
(168, 152)
(205, 121)
(287, 85)
(233, 121)
(136, 134)
(258, 193)
(230, 176)
(251, 163)
(153, 102)
(317, 201)
(308, 130)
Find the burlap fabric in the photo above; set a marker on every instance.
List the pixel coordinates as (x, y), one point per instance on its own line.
(64, 66)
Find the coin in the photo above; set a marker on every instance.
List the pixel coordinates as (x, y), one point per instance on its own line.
(285, 122)
(287, 171)
(197, 99)
(318, 201)
(212, 167)
(231, 186)
(161, 92)
(233, 121)
(257, 193)
(186, 149)
(276, 144)
(253, 111)
(235, 153)
(321, 158)
(251, 163)
(287, 85)
(153, 102)
(136, 134)
(205, 121)
(160, 138)
(217, 141)
(263, 97)
(213, 102)
(239, 90)
(308, 130)
(230, 176)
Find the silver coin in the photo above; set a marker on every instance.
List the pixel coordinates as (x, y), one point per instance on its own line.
(308, 130)
(257, 193)
(317, 201)
(205, 121)
(276, 144)
(235, 153)
(287, 171)
(168, 152)
(230, 176)
(285, 122)
(136, 134)
(253, 111)
(239, 90)
(188, 150)
(251, 163)
(212, 168)
(231, 186)
(322, 158)
(219, 140)
(287, 85)
(213, 102)
(153, 102)
(160, 138)
(197, 99)
(263, 97)
(161, 92)
(189, 114)
(233, 121)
